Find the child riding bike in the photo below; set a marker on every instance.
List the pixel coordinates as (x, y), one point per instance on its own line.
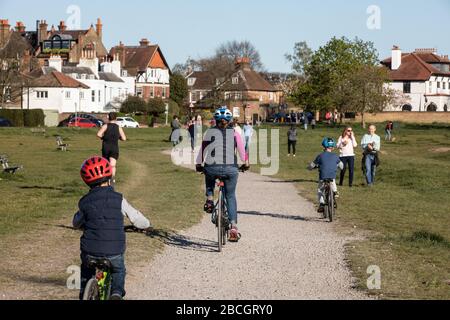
(218, 154)
(101, 217)
(327, 162)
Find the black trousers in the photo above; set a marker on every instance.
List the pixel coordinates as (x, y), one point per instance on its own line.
(350, 163)
(293, 145)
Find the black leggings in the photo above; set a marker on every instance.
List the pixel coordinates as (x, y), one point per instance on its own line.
(350, 163)
(292, 144)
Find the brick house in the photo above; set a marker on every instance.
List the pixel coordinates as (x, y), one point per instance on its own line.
(423, 77)
(147, 64)
(245, 92)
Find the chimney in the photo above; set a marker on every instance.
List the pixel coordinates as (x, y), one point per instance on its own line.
(55, 62)
(243, 62)
(144, 42)
(4, 31)
(99, 28)
(42, 32)
(62, 26)
(20, 27)
(396, 58)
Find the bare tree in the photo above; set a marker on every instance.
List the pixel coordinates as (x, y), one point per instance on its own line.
(232, 50)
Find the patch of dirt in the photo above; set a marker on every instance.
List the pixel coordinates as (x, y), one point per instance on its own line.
(440, 150)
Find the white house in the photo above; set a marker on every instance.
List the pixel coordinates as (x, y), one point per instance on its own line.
(423, 77)
(102, 90)
(54, 92)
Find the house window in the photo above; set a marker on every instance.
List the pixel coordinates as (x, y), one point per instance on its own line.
(164, 92)
(82, 95)
(407, 87)
(124, 73)
(139, 92)
(238, 96)
(67, 94)
(93, 95)
(445, 108)
(191, 82)
(235, 80)
(8, 94)
(271, 96)
(438, 85)
(99, 96)
(42, 94)
(152, 92)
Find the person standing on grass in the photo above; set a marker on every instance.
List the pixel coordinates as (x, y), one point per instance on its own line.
(192, 134)
(292, 140)
(371, 144)
(175, 135)
(388, 130)
(346, 144)
(248, 133)
(110, 134)
(313, 123)
(306, 122)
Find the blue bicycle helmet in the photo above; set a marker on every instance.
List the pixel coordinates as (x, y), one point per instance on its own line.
(223, 114)
(328, 143)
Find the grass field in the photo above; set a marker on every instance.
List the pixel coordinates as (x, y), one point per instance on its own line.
(39, 202)
(405, 219)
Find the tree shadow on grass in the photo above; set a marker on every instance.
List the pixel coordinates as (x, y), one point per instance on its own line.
(280, 216)
(40, 188)
(293, 181)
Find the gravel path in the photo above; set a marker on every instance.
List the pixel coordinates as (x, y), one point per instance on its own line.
(285, 252)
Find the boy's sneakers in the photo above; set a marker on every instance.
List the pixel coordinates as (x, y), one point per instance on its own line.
(209, 206)
(321, 208)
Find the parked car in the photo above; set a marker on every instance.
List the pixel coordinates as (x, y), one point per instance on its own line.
(5, 123)
(81, 123)
(127, 122)
(90, 117)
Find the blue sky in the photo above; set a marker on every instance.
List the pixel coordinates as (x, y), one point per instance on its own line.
(194, 28)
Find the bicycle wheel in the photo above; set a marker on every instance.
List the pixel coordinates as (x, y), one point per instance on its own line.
(220, 222)
(91, 291)
(330, 205)
(225, 221)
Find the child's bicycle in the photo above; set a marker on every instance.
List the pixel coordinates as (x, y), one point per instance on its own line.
(330, 201)
(99, 287)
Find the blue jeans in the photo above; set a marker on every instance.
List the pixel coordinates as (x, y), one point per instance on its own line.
(370, 169)
(232, 173)
(349, 162)
(117, 274)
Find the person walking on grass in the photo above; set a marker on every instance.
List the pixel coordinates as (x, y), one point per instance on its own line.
(388, 130)
(292, 140)
(371, 145)
(175, 135)
(313, 123)
(346, 144)
(110, 134)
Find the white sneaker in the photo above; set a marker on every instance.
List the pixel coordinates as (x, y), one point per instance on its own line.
(289, 155)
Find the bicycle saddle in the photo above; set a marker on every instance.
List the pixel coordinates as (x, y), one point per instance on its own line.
(328, 180)
(99, 263)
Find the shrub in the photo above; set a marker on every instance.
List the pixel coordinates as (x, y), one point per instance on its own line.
(133, 104)
(33, 118)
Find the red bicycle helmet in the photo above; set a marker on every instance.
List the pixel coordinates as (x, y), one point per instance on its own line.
(96, 170)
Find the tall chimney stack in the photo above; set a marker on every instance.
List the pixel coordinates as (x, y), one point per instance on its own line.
(144, 42)
(62, 26)
(20, 27)
(99, 27)
(42, 32)
(396, 58)
(4, 31)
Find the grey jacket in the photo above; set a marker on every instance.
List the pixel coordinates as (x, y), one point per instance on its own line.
(292, 134)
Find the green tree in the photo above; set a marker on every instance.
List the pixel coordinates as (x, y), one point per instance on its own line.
(178, 88)
(156, 107)
(133, 104)
(174, 108)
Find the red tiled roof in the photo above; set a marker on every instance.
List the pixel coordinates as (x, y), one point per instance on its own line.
(249, 80)
(137, 59)
(57, 79)
(413, 68)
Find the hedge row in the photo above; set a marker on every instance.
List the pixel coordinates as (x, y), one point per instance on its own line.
(24, 118)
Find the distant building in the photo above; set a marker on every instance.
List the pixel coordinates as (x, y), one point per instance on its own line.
(147, 64)
(423, 76)
(246, 92)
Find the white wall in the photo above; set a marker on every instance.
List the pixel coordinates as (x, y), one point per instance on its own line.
(56, 101)
(159, 76)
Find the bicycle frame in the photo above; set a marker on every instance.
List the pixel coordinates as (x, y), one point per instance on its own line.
(104, 284)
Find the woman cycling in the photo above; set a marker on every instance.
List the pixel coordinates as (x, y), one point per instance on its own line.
(218, 154)
(110, 134)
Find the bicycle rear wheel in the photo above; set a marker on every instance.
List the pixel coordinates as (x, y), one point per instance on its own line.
(91, 291)
(220, 222)
(330, 205)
